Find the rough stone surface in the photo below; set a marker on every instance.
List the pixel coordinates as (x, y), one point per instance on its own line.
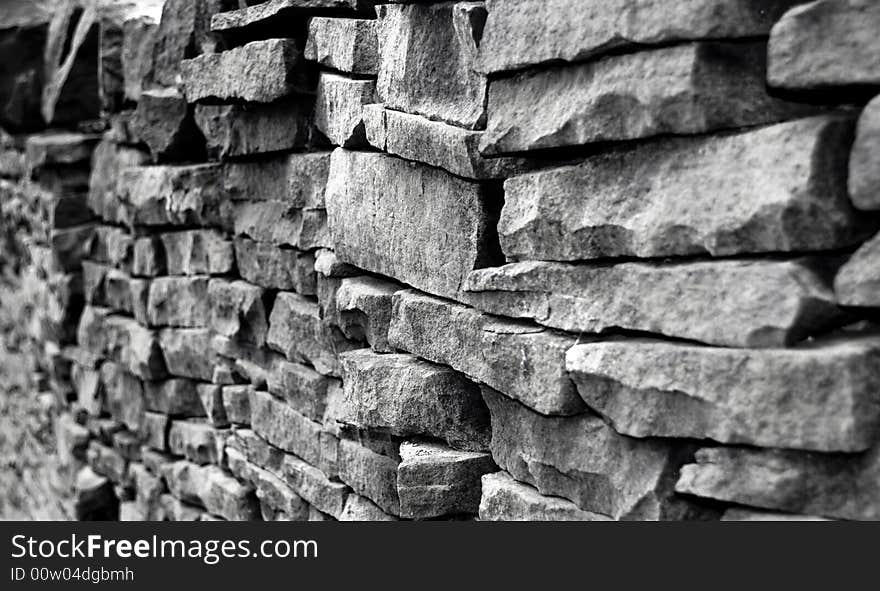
(171, 195)
(187, 352)
(485, 348)
(505, 499)
(164, 122)
(825, 43)
(820, 397)
(265, 13)
(121, 340)
(272, 267)
(864, 163)
(243, 129)
(364, 308)
(237, 311)
(737, 303)
(280, 223)
(686, 89)
(347, 45)
(443, 221)
(405, 396)
(197, 252)
(858, 282)
(174, 397)
(783, 189)
(338, 108)
(179, 302)
(298, 179)
(370, 474)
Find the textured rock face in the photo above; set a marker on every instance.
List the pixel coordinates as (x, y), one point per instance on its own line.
(864, 164)
(821, 397)
(163, 195)
(783, 189)
(811, 484)
(259, 72)
(299, 179)
(163, 122)
(242, 129)
(748, 303)
(370, 474)
(826, 43)
(338, 107)
(271, 11)
(237, 311)
(197, 252)
(444, 221)
(122, 340)
(405, 396)
(521, 33)
(347, 45)
(364, 306)
(275, 268)
(485, 348)
(858, 282)
(582, 459)
(180, 302)
(427, 61)
(505, 499)
(684, 89)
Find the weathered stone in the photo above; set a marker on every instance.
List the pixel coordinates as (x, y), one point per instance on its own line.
(281, 224)
(237, 405)
(858, 282)
(122, 340)
(213, 489)
(87, 385)
(329, 265)
(115, 290)
(825, 43)
(272, 267)
(436, 481)
(825, 485)
(211, 398)
(686, 89)
(138, 43)
(154, 431)
(264, 14)
(864, 162)
(197, 252)
(187, 352)
(271, 490)
(304, 389)
(406, 396)
(179, 302)
(783, 186)
(237, 311)
(427, 61)
(244, 129)
(786, 302)
(297, 179)
(358, 508)
(339, 108)
(408, 221)
(522, 33)
(196, 440)
(365, 303)
(123, 395)
(285, 428)
(164, 122)
(451, 148)
(108, 160)
(111, 246)
(260, 72)
(505, 499)
(820, 397)
(313, 486)
(347, 45)
(297, 331)
(370, 474)
(486, 349)
(148, 257)
(175, 398)
(583, 460)
(162, 195)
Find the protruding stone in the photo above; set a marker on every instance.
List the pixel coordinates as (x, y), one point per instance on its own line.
(705, 301)
(347, 45)
(819, 397)
(585, 461)
(505, 499)
(281, 224)
(405, 396)
(197, 252)
(365, 305)
(271, 12)
(244, 129)
(783, 190)
(108, 160)
(339, 108)
(376, 204)
(685, 89)
(436, 481)
(864, 162)
(825, 43)
(449, 334)
(272, 267)
(427, 61)
(163, 121)
(370, 474)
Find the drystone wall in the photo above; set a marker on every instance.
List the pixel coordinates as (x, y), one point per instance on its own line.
(506, 260)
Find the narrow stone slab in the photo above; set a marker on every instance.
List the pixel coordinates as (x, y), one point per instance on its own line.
(347, 45)
(272, 11)
(272, 267)
(662, 199)
(704, 301)
(304, 389)
(451, 148)
(179, 302)
(405, 396)
(237, 311)
(585, 461)
(313, 485)
(858, 282)
(436, 481)
(259, 72)
(298, 179)
(427, 61)
(281, 224)
(339, 106)
(364, 306)
(820, 397)
(244, 129)
(505, 499)
(197, 252)
(522, 33)
(864, 162)
(686, 89)
(407, 221)
(184, 31)
(825, 43)
(449, 334)
(795, 482)
(370, 474)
